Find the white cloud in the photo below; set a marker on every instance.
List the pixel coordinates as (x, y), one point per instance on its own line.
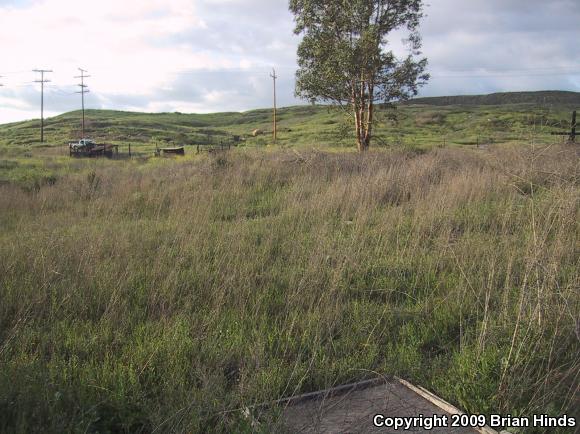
(213, 55)
(110, 38)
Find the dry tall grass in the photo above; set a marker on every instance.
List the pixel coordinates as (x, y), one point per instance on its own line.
(154, 299)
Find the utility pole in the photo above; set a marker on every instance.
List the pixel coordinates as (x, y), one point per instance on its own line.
(573, 127)
(42, 81)
(83, 90)
(274, 77)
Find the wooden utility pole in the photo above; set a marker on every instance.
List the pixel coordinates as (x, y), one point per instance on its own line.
(572, 133)
(82, 92)
(274, 77)
(42, 81)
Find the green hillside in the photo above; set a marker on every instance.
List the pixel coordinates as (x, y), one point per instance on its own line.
(546, 97)
(425, 122)
(23, 159)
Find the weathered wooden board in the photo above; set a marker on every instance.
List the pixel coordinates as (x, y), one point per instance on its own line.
(351, 409)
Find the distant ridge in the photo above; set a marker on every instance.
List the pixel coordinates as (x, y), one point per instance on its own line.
(541, 97)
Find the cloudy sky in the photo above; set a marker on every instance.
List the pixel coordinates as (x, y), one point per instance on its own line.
(216, 55)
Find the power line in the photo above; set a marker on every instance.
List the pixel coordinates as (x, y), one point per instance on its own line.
(536, 68)
(60, 91)
(481, 75)
(573, 69)
(42, 81)
(262, 69)
(254, 70)
(83, 90)
(14, 72)
(449, 74)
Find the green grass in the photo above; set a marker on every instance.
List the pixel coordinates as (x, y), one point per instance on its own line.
(167, 295)
(416, 126)
(301, 126)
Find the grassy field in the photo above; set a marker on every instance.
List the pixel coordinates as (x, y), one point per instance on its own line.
(169, 295)
(162, 297)
(24, 160)
(416, 124)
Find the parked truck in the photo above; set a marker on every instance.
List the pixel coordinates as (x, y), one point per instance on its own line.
(88, 148)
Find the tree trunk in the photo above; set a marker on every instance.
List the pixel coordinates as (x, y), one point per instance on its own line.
(361, 135)
(358, 130)
(362, 146)
(370, 113)
(363, 128)
(362, 113)
(362, 142)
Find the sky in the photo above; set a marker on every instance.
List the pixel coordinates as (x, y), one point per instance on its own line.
(217, 55)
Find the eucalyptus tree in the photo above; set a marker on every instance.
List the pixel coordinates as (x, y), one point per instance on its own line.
(345, 58)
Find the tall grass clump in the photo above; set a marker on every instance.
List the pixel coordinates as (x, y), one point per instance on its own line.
(166, 298)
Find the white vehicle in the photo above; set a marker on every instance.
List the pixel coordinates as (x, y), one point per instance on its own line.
(83, 144)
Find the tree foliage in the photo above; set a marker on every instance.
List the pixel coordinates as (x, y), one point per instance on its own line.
(344, 57)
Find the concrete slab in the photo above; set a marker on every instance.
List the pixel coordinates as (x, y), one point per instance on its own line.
(351, 410)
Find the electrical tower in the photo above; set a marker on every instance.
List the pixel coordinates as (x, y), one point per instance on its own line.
(42, 81)
(83, 90)
(274, 77)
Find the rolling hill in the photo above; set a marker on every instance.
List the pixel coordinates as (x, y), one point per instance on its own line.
(555, 97)
(423, 121)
